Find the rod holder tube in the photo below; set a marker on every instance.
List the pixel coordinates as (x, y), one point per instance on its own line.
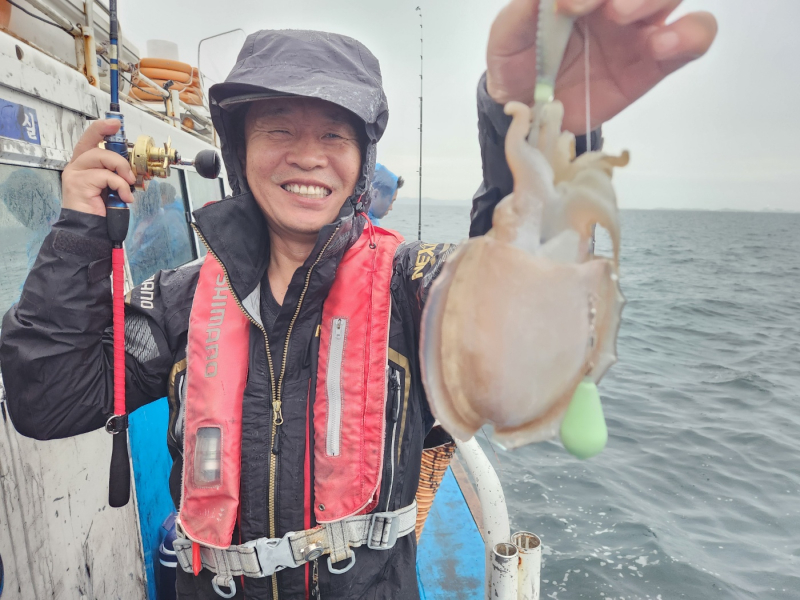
(493, 502)
(529, 547)
(505, 572)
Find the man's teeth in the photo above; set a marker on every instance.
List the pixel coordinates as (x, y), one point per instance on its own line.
(307, 191)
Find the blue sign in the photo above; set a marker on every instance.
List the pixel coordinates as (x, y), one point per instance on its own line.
(19, 122)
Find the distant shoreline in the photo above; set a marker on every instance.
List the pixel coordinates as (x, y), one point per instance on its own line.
(467, 203)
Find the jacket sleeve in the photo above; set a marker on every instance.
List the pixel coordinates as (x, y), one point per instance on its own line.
(56, 344)
(497, 181)
(418, 264)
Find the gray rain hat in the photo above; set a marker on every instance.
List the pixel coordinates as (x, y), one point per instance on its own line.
(312, 64)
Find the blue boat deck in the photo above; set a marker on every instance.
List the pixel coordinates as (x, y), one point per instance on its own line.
(450, 556)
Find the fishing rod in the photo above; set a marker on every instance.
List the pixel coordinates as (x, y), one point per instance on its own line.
(419, 225)
(147, 160)
(117, 219)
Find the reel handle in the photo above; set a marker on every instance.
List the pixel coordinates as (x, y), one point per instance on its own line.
(206, 162)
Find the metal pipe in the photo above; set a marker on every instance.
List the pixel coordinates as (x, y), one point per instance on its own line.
(56, 16)
(200, 43)
(505, 572)
(173, 107)
(493, 502)
(188, 109)
(158, 89)
(80, 53)
(530, 564)
(88, 9)
(89, 45)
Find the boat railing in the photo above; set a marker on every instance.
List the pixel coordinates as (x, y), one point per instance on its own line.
(512, 562)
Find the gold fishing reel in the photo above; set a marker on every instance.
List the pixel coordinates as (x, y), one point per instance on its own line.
(149, 160)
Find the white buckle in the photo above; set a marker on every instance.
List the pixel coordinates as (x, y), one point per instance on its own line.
(393, 520)
(273, 554)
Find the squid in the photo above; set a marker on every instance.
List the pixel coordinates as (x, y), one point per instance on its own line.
(519, 317)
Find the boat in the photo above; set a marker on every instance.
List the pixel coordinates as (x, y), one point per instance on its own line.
(58, 537)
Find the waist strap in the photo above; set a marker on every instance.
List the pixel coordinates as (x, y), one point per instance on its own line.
(265, 556)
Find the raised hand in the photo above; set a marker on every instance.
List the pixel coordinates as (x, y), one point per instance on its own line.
(93, 169)
(632, 48)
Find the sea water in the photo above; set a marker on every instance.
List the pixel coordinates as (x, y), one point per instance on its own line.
(697, 494)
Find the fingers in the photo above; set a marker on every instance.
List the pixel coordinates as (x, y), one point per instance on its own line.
(622, 12)
(514, 29)
(686, 39)
(93, 169)
(97, 158)
(98, 180)
(625, 12)
(94, 134)
(579, 8)
(82, 190)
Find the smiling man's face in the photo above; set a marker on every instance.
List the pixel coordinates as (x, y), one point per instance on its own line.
(302, 161)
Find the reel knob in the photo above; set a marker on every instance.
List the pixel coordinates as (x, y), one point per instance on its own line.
(207, 164)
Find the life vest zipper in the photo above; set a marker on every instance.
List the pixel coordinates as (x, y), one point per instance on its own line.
(270, 508)
(277, 415)
(277, 418)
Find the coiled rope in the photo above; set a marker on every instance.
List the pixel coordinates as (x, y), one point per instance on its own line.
(185, 78)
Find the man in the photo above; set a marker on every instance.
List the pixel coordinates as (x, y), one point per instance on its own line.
(385, 186)
(296, 281)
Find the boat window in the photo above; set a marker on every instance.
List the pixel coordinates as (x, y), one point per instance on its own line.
(159, 236)
(201, 192)
(30, 202)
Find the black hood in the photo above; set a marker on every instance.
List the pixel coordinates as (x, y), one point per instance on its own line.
(312, 64)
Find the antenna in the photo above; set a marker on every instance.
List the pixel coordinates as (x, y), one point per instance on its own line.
(419, 226)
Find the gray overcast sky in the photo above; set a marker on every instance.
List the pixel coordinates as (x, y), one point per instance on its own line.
(722, 133)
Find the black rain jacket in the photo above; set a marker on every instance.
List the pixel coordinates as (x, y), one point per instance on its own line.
(56, 343)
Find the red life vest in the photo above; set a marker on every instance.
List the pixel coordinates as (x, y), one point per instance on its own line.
(349, 407)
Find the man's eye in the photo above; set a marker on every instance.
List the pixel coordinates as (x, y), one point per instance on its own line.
(279, 131)
(333, 136)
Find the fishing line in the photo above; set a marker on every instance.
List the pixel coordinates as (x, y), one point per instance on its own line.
(483, 430)
(586, 85)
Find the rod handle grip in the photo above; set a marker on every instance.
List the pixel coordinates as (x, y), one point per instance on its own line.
(119, 478)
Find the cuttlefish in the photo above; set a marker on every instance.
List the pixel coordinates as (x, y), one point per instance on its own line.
(520, 316)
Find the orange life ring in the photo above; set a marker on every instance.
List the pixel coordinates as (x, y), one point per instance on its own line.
(166, 74)
(147, 94)
(191, 98)
(165, 63)
(175, 86)
(185, 78)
